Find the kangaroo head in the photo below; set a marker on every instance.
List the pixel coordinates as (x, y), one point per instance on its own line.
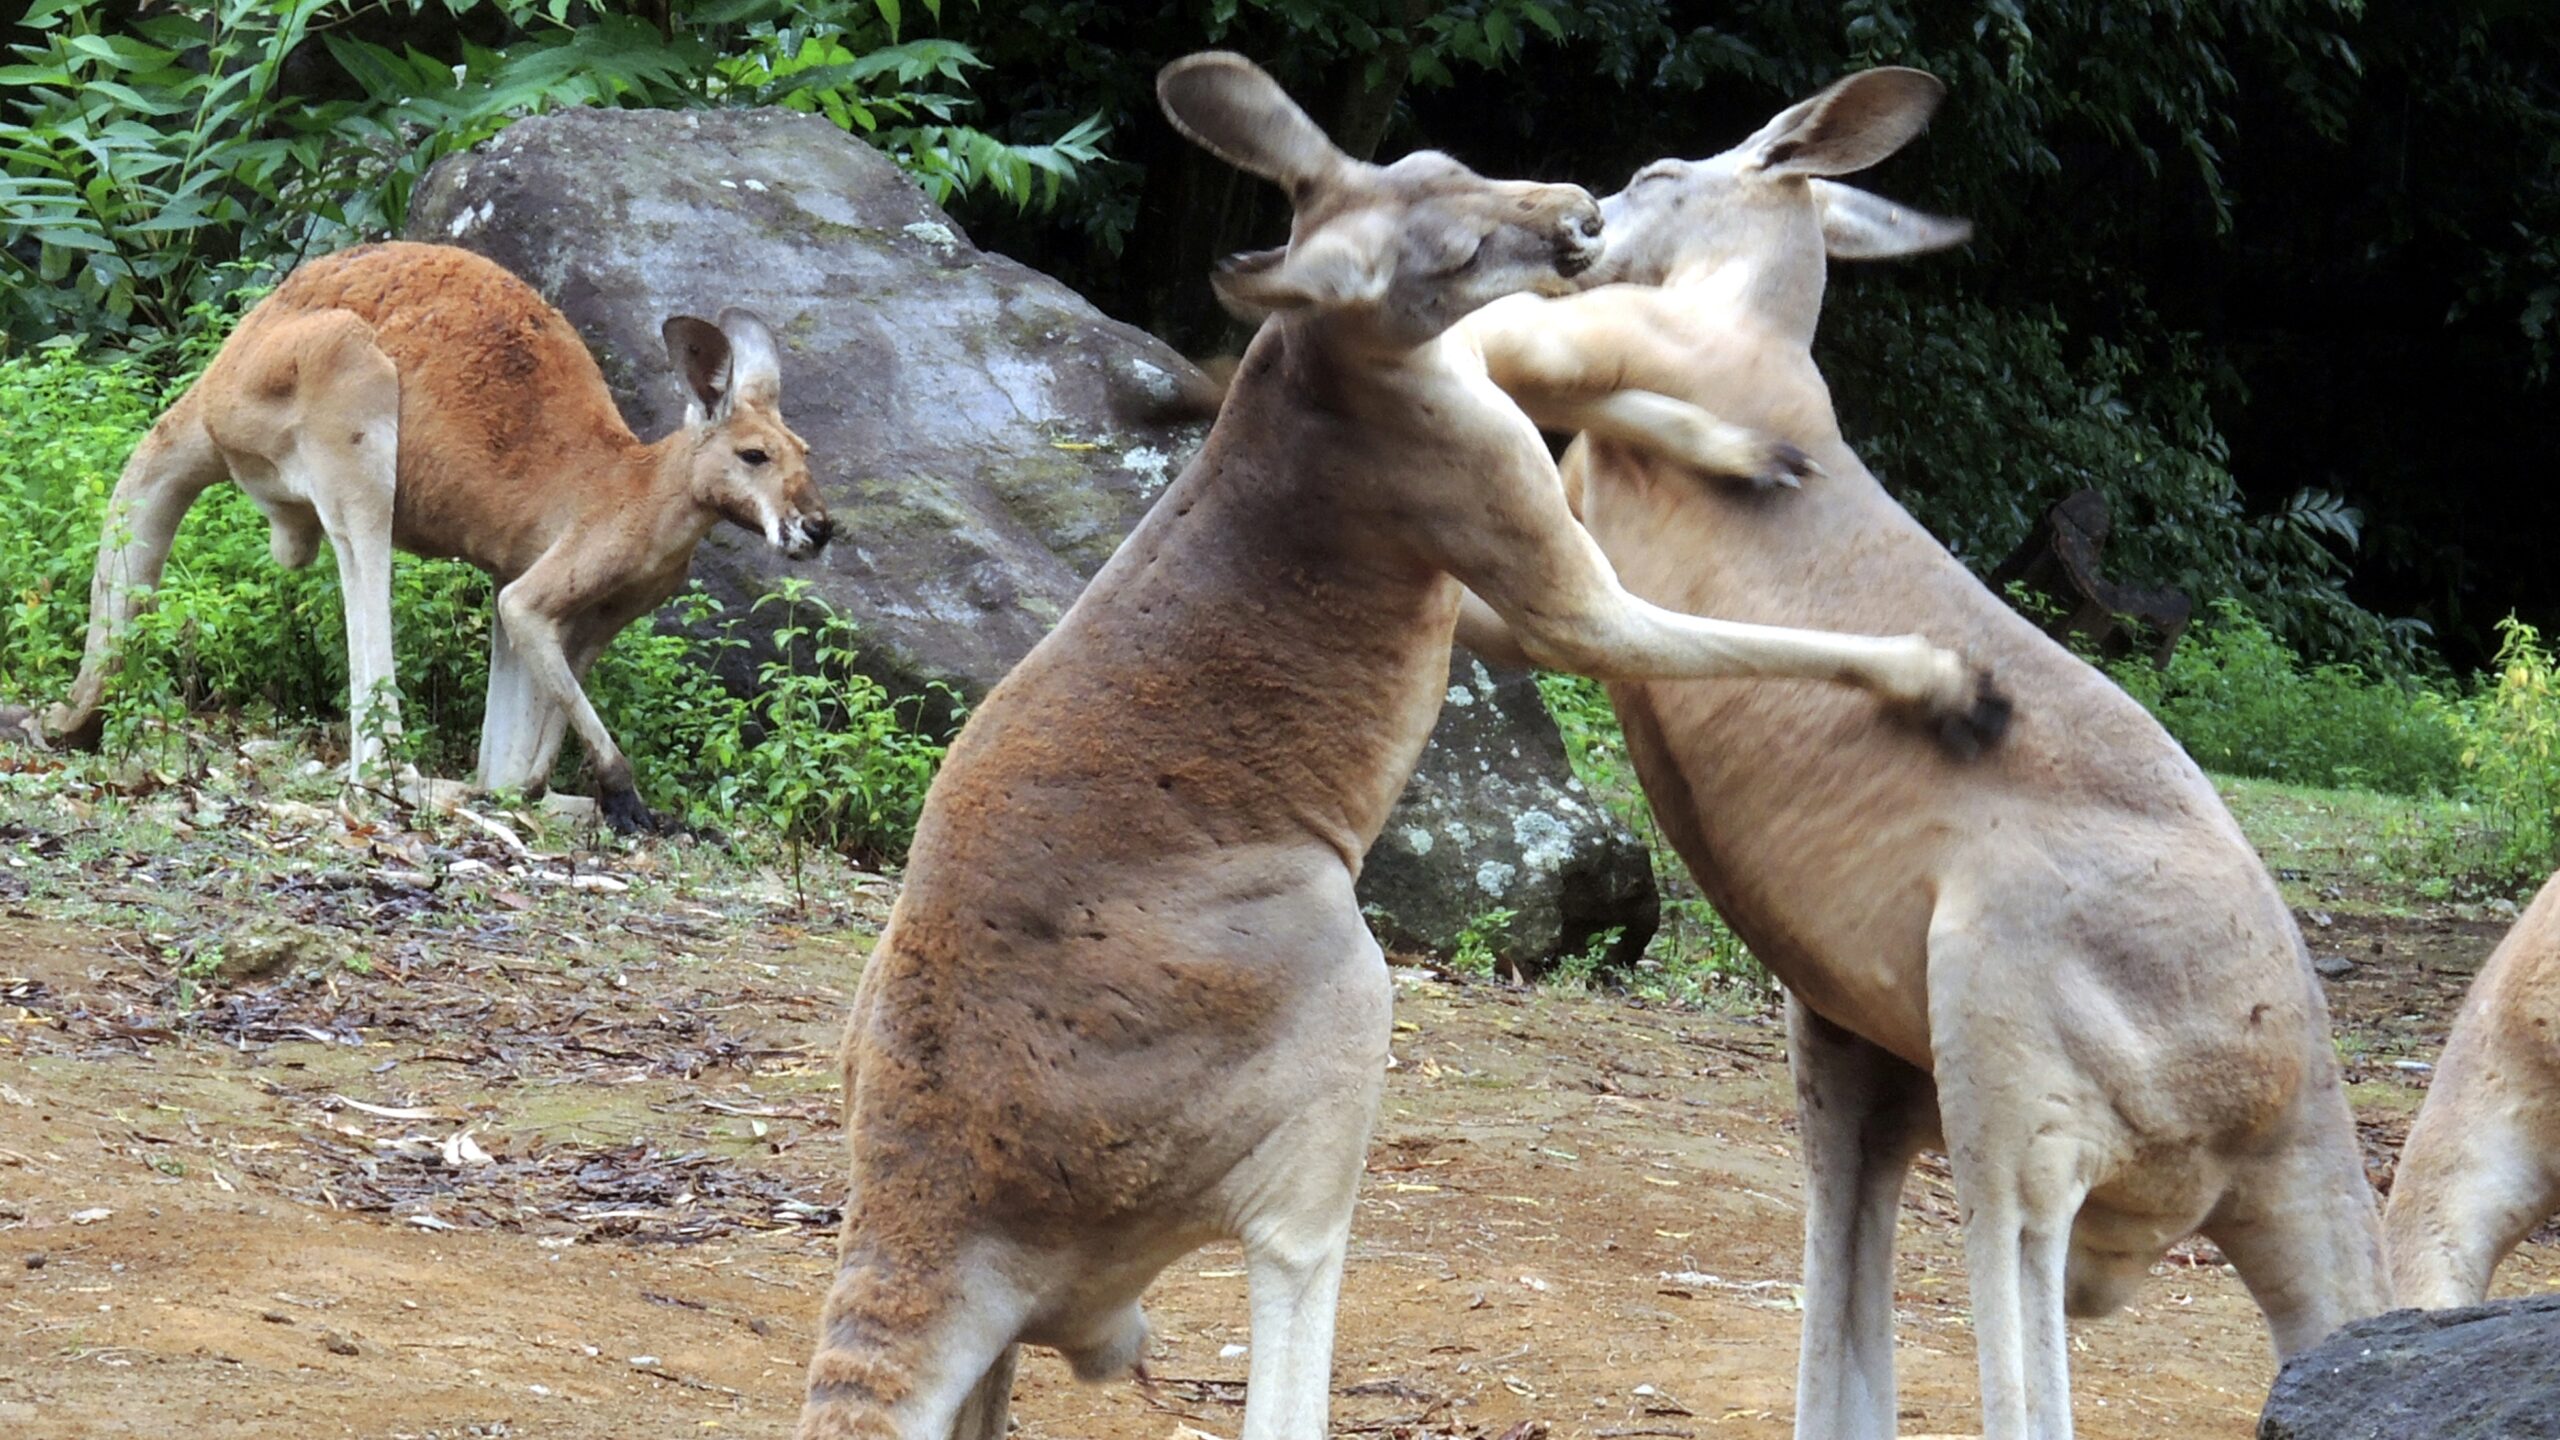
(1762, 216)
(747, 465)
(1390, 255)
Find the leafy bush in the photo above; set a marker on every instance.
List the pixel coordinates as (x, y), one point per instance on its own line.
(819, 750)
(2510, 733)
(1979, 418)
(2244, 704)
(819, 753)
(144, 160)
(146, 155)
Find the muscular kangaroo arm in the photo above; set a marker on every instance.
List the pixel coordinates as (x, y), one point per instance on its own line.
(1513, 543)
(1674, 429)
(1581, 365)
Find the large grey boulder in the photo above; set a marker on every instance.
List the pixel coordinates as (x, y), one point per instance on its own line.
(984, 439)
(2487, 1372)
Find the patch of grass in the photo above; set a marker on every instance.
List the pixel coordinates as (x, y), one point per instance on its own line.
(2244, 704)
(2344, 849)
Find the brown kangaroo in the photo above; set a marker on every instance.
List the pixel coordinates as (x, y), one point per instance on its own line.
(420, 396)
(2063, 964)
(1125, 1003)
(2482, 1164)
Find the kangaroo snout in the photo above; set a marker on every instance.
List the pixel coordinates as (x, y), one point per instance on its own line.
(804, 537)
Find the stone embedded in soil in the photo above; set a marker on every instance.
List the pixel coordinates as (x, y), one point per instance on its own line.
(2484, 1372)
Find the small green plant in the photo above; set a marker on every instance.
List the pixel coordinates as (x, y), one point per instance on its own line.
(1578, 972)
(1479, 942)
(2510, 734)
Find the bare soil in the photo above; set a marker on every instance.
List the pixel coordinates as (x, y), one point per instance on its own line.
(491, 1162)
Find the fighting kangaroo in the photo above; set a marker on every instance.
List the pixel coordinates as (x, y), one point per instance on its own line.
(2482, 1164)
(1125, 1003)
(420, 396)
(2062, 964)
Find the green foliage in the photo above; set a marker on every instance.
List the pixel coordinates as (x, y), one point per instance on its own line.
(140, 159)
(64, 430)
(1981, 418)
(2510, 732)
(1479, 942)
(819, 750)
(2245, 704)
(1694, 958)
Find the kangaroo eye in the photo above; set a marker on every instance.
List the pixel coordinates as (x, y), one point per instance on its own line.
(754, 457)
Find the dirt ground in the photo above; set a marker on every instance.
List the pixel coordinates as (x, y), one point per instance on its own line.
(500, 1163)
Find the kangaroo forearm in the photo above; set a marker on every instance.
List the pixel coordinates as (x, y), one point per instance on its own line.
(1674, 429)
(1646, 642)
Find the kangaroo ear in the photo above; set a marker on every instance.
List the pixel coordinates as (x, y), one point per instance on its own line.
(1226, 105)
(1337, 266)
(755, 360)
(702, 356)
(1860, 226)
(1852, 125)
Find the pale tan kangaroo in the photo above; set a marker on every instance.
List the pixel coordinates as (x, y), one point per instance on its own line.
(2062, 964)
(1125, 1003)
(419, 396)
(2482, 1164)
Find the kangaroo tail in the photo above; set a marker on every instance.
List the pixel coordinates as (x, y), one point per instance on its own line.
(173, 465)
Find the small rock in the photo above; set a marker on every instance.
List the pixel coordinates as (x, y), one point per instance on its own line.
(37, 1260)
(337, 1344)
(261, 949)
(2331, 967)
(276, 1317)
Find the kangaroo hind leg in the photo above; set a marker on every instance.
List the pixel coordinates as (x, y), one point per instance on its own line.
(175, 463)
(343, 464)
(1864, 1114)
(913, 1353)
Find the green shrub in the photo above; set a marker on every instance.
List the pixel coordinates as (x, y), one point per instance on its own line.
(2245, 704)
(820, 752)
(147, 152)
(2510, 732)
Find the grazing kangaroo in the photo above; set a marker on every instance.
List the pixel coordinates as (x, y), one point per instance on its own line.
(2482, 1164)
(1125, 1003)
(420, 396)
(2062, 964)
